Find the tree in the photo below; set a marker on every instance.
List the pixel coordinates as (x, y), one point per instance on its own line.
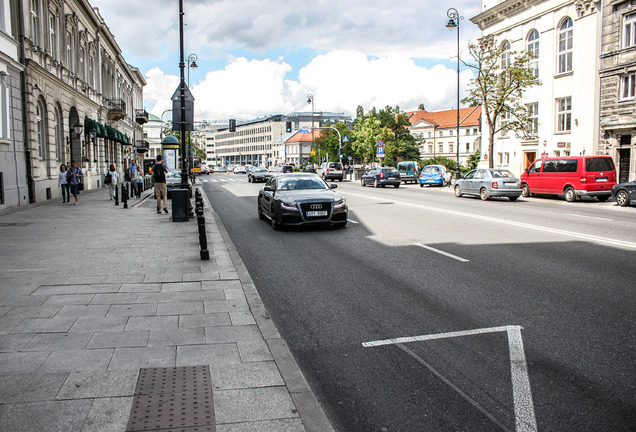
(503, 76)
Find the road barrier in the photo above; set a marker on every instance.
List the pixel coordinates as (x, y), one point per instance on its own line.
(203, 240)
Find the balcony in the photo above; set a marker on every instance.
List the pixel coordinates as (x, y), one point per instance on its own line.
(141, 116)
(116, 109)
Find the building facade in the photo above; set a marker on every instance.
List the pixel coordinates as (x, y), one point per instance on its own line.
(436, 132)
(564, 110)
(617, 135)
(81, 100)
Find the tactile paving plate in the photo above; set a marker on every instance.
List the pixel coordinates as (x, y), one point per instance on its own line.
(173, 399)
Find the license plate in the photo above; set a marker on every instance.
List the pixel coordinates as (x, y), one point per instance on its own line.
(601, 180)
(316, 213)
(510, 184)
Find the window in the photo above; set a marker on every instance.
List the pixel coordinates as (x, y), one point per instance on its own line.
(627, 86)
(450, 133)
(81, 65)
(451, 147)
(533, 118)
(430, 134)
(69, 50)
(629, 30)
(505, 119)
(564, 114)
(53, 34)
(35, 22)
(475, 131)
(441, 133)
(533, 48)
(505, 54)
(58, 134)
(440, 148)
(565, 46)
(430, 148)
(467, 147)
(39, 130)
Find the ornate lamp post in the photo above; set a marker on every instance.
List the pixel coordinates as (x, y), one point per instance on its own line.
(453, 21)
(192, 63)
(310, 100)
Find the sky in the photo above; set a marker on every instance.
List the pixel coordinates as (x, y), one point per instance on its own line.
(263, 57)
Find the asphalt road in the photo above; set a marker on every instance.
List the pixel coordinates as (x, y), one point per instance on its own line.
(516, 316)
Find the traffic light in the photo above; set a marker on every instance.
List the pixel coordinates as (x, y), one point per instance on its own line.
(288, 127)
(232, 125)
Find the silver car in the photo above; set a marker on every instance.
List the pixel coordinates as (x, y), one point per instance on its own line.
(487, 183)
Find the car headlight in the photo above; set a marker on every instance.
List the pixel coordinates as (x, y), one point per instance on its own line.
(287, 206)
(340, 203)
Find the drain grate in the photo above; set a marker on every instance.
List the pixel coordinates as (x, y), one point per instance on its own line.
(171, 399)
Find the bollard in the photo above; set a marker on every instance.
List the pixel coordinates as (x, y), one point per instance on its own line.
(116, 195)
(124, 196)
(203, 240)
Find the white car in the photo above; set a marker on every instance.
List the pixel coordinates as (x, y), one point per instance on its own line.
(239, 169)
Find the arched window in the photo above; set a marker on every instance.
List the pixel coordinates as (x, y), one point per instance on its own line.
(505, 54)
(533, 48)
(39, 129)
(564, 60)
(58, 135)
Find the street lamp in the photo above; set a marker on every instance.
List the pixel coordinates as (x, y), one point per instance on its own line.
(310, 100)
(453, 21)
(192, 63)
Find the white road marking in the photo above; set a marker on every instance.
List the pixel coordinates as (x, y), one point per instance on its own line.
(590, 217)
(525, 420)
(441, 252)
(605, 240)
(354, 222)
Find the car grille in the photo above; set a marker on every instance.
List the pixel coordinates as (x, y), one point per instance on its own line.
(316, 206)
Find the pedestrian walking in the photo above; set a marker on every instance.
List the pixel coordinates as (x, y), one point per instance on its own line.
(61, 182)
(76, 180)
(159, 171)
(111, 180)
(138, 181)
(132, 169)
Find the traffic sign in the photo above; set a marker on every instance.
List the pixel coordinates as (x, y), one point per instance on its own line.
(345, 139)
(380, 143)
(350, 158)
(304, 131)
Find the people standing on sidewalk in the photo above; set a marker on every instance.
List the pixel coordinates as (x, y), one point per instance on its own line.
(138, 181)
(159, 171)
(132, 169)
(112, 186)
(77, 177)
(61, 182)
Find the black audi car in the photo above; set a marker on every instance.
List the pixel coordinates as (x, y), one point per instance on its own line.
(300, 199)
(624, 193)
(259, 174)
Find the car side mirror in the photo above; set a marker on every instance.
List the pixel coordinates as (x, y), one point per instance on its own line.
(268, 189)
(333, 186)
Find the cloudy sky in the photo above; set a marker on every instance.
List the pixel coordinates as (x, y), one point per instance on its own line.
(262, 57)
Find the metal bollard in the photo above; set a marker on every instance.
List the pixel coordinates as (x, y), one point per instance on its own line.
(116, 195)
(203, 240)
(124, 196)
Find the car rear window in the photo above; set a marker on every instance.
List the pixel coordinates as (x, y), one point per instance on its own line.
(502, 173)
(335, 166)
(599, 164)
(389, 171)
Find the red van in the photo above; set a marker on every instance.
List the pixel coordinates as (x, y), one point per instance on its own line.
(570, 176)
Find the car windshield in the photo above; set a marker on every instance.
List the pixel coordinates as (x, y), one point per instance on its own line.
(502, 173)
(173, 175)
(389, 171)
(260, 170)
(301, 183)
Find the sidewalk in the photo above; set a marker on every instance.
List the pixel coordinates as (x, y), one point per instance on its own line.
(103, 308)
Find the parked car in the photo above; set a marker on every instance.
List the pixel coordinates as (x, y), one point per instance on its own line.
(287, 169)
(381, 177)
(259, 174)
(624, 193)
(409, 171)
(487, 183)
(239, 169)
(205, 169)
(571, 176)
(300, 199)
(173, 181)
(434, 175)
(331, 171)
(275, 170)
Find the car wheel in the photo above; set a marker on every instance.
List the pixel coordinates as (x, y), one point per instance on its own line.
(375, 183)
(458, 191)
(421, 185)
(570, 195)
(261, 216)
(249, 179)
(340, 179)
(483, 194)
(340, 225)
(324, 178)
(622, 198)
(397, 186)
(275, 225)
(603, 198)
(362, 183)
(525, 192)
(513, 198)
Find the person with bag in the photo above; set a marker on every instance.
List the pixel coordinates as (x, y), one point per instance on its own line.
(132, 169)
(76, 181)
(138, 181)
(111, 180)
(61, 182)
(159, 171)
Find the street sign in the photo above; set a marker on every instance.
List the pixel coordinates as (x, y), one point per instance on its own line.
(345, 139)
(380, 143)
(303, 131)
(380, 153)
(349, 158)
(313, 153)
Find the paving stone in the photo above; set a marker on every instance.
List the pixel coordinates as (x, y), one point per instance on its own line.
(83, 311)
(77, 360)
(181, 286)
(282, 425)
(232, 334)
(58, 342)
(115, 298)
(198, 355)
(174, 337)
(83, 385)
(21, 362)
(246, 405)
(118, 339)
(254, 351)
(94, 324)
(140, 287)
(242, 318)
(245, 375)
(232, 305)
(130, 310)
(69, 299)
(136, 358)
(205, 320)
(99, 288)
(31, 387)
(14, 342)
(184, 308)
(152, 323)
(108, 414)
(178, 297)
(51, 416)
(222, 285)
(45, 325)
(234, 294)
(86, 279)
(48, 290)
(203, 276)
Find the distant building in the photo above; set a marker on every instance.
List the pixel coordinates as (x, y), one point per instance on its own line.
(436, 132)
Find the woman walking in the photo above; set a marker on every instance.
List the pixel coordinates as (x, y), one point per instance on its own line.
(77, 177)
(138, 182)
(112, 186)
(61, 182)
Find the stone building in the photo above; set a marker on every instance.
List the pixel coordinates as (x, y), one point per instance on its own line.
(82, 101)
(617, 76)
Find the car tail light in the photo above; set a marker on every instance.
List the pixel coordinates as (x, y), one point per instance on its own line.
(381, 175)
(327, 170)
(583, 180)
(495, 185)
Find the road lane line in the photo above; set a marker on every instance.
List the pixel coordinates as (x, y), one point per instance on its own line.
(581, 236)
(354, 222)
(590, 217)
(441, 252)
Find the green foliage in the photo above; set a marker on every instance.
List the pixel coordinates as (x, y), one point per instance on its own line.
(473, 160)
(450, 164)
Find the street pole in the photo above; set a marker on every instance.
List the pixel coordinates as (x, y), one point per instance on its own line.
(184, 169)
(310, 99)
(453, 22)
